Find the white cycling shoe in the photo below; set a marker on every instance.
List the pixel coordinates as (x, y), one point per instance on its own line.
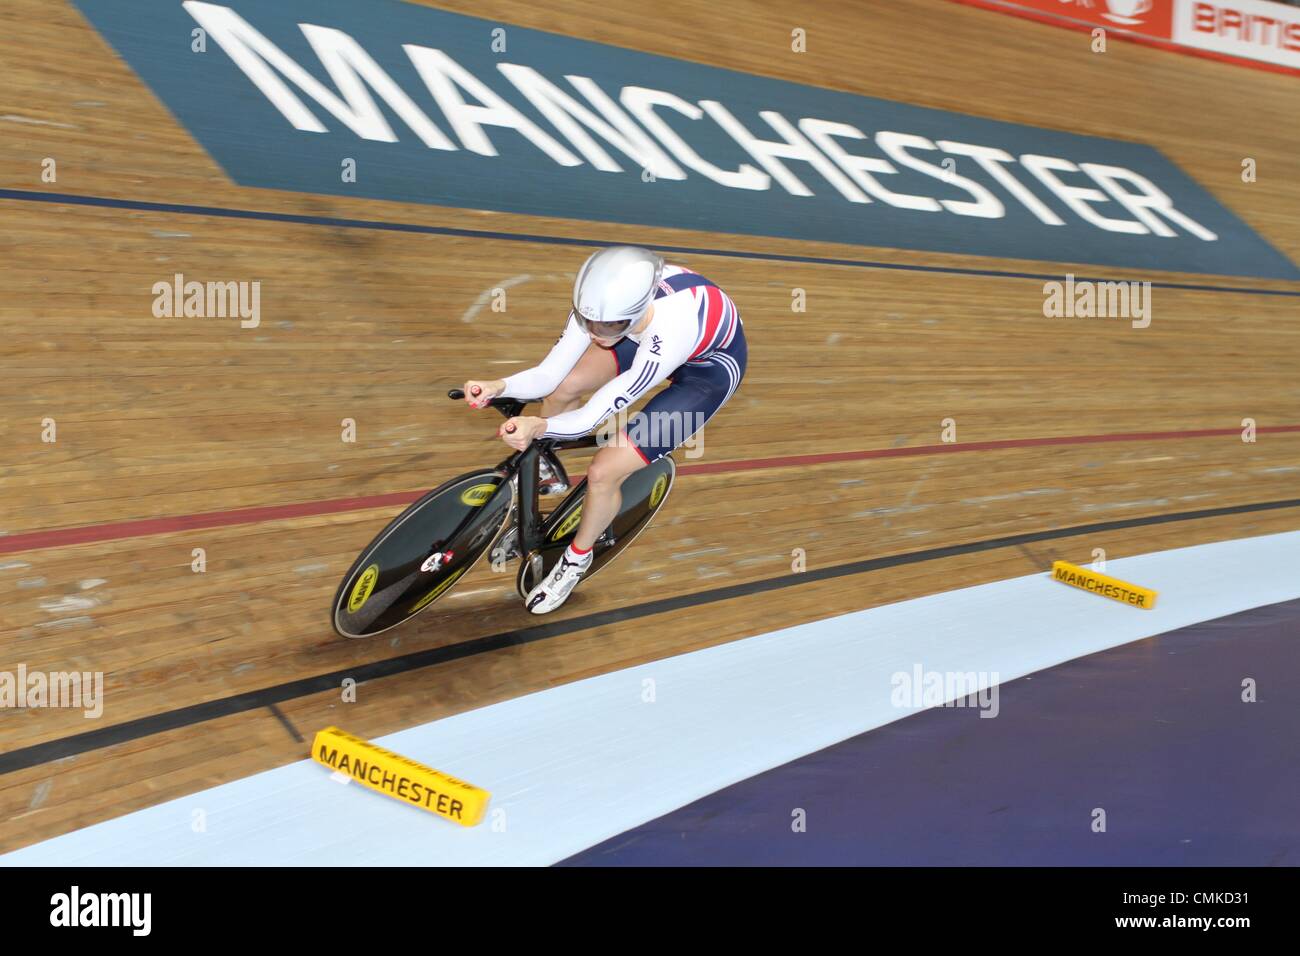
(548, 482)
(559, 584)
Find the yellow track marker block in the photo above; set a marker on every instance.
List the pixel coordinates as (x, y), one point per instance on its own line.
(400, 777)
(1102, 584)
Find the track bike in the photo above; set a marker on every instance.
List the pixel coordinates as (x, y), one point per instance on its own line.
(421, 554)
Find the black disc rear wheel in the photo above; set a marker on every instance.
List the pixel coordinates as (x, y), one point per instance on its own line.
(644, 493)
(422, 553)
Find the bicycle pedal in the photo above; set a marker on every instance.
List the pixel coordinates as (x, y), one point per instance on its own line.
(509, 544)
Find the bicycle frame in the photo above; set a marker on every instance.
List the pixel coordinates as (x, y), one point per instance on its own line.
(525, 465)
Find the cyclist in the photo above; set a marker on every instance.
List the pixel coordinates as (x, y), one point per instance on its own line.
(635, 322)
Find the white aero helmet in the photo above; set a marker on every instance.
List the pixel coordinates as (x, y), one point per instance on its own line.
(614, 288)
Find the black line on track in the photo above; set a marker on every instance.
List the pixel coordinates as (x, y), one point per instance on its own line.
(288, 724)
(65, 747)
(71, 199)
(1036, 561)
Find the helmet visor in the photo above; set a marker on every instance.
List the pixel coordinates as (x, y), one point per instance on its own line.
(603, 330)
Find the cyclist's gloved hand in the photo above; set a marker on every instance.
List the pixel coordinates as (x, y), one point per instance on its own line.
(520, 432)
(478, 394)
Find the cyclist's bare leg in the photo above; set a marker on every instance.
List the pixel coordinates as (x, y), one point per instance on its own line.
(596, 368)
(605, 476)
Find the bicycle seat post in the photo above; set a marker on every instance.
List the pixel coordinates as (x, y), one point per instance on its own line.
(530, 520)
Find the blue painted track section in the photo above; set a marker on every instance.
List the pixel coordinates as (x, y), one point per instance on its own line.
(1155, 733)
(412, 141)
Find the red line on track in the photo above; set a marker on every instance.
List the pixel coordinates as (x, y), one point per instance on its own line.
(909, 451)
(63, 537)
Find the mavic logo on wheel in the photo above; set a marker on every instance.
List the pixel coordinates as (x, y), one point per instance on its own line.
(657, 492)
(362, 590)
(428, 598)
(478, 495)
(568, 524)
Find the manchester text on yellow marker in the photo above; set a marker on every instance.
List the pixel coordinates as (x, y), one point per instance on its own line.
(400, 777)
(1102, 584)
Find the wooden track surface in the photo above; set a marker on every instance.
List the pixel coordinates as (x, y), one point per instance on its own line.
(186, 417)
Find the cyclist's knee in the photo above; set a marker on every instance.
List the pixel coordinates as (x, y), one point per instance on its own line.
(600, 472)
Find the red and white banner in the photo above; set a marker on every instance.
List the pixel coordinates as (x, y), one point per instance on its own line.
(1257, 30)
(1148, 17)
